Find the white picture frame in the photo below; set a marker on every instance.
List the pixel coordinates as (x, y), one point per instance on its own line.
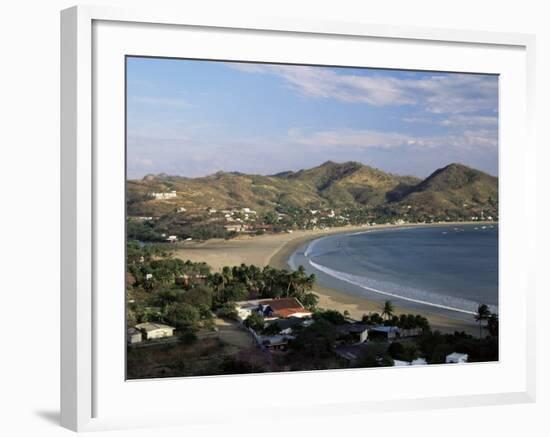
(92, 42)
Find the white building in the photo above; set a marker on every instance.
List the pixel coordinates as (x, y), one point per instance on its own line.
(163, 196)
(134, 336)
(172, 238)
(456, 358)
(417, 362)
(155, 330)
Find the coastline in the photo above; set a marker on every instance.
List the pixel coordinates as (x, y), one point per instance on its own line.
(357, 305)
(276, 249)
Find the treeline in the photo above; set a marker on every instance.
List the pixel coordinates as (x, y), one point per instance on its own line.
(157, 230)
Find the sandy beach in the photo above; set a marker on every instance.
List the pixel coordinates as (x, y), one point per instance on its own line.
(275, 249)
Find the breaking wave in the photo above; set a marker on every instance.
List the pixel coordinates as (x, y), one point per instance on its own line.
(422, 297)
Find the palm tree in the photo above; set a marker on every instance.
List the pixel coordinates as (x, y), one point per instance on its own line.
(388, 309)
(482, 314)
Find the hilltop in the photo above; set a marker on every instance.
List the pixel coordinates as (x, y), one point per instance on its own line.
(348, 192)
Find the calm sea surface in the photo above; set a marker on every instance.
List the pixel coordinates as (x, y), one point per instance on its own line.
(447, 269)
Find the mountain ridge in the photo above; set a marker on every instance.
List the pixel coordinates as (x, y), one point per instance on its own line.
(453, 189)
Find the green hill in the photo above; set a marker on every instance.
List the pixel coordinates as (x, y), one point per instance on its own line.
(454, 189)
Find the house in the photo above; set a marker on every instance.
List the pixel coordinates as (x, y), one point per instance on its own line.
(234, 228)
(172, 239)
(272, 309)
(287, 326)
(152, 330)
(384, 332)
(133, 336)
(359, 332)
(285, 307)
(275, 342)
(456, 358)
(163, 196)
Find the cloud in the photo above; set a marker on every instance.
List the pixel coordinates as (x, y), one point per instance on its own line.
(457, 120)
(372, 139)
(472, 120)
(437, 93)
(350, 138)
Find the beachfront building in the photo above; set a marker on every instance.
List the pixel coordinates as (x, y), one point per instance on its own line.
(358, 332)
(387, 333)
(152, 330)
(133, 336)
(272, 309)
(165, 195)
(456, 358)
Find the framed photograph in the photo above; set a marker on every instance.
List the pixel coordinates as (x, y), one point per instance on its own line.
(256, 206)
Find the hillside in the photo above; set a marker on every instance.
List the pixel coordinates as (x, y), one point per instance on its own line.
(454, 189)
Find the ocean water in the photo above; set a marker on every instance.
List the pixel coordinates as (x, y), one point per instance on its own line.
(443, 269)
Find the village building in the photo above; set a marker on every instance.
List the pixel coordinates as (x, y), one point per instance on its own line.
(172, 239)
(288, 325)
(134, 335)
(163, 196)
(387, 333)
(272, 308)
(153, 331)
(275, 342)
(234, 228)
(358, 332)
(456, 358)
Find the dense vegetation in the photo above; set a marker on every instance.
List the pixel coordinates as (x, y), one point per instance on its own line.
(187, 295)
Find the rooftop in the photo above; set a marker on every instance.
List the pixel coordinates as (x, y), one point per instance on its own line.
(150, 326)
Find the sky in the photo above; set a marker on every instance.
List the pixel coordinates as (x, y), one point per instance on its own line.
(194, 118)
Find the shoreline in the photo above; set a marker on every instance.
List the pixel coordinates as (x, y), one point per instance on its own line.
(358, 305)
(276, 249)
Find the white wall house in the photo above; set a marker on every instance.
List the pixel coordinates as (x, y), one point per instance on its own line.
(134, 336)
(155, 330)
(163, 196)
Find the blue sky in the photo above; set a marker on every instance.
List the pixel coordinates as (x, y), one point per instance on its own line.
(193, 118)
